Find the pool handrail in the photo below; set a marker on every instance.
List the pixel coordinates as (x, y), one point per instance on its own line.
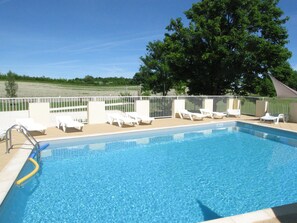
(24, 131)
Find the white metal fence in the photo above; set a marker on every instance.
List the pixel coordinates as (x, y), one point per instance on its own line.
(67, 104)
(160, 106)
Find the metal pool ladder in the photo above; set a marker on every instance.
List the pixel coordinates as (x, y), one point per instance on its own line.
(26, 133)
(35, 151)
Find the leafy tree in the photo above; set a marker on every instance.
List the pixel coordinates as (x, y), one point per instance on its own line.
(142, 79)
(228, 46)
(88, 79)
(241, 41)
(180, 87)
(11, 86)
(154, 73)
(292, 82)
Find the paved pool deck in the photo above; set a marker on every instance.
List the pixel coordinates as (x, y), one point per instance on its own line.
(11, 163)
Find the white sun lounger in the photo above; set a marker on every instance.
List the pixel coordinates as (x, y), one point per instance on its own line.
(275, 119)
(183, 113)
(233, 112)
(68, 122)
(140, 118)
(31, 125)
(121, 118)
(211, 114)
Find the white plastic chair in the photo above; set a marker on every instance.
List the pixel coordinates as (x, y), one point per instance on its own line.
(282, 117)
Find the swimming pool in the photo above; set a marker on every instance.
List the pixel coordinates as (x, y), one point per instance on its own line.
(175, 175)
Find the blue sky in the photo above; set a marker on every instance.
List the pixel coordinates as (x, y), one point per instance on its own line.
(75, 38)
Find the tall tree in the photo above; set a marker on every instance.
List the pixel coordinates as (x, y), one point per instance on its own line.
(232, 44)
(154, 73)
(11, 86)
(229, 46)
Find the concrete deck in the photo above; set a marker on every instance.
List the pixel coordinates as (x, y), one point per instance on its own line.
(12, 163)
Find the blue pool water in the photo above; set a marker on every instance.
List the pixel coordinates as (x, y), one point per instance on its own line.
(181, 175)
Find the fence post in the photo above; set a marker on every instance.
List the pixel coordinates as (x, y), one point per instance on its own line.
(293, 112)
(178, 104)
(142, 107)
(261, 108)
(40, 112)
(96, 112)
(208, 104)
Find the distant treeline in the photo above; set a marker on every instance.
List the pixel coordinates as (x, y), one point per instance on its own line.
(87, 80)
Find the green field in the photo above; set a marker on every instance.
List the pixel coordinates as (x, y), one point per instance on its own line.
(33, 89)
